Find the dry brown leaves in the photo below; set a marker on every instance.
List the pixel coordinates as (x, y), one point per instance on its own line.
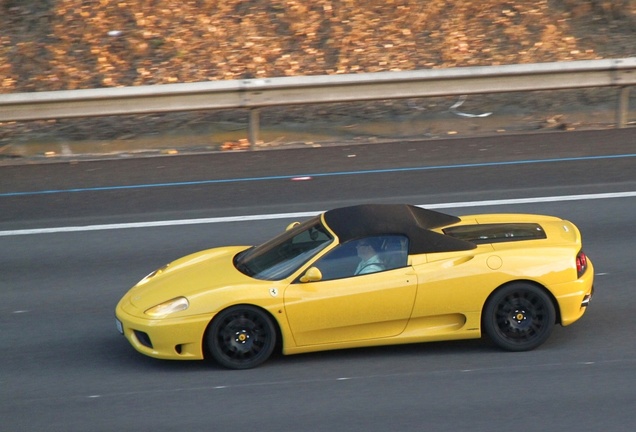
(71, 44)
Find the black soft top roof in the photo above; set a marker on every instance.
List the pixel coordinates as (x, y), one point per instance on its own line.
(366, 220)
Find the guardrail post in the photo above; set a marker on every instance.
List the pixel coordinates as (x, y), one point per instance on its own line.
(623, 107)
(253, 127)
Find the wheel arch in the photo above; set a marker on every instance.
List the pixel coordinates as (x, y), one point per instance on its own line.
(542, 287)
(279, 335)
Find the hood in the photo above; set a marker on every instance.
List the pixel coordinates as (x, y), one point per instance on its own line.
(189, 276)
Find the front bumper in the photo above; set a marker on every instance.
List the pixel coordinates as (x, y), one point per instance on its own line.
(166, 338)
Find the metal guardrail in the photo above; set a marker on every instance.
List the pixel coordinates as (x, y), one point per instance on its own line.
(257, 93)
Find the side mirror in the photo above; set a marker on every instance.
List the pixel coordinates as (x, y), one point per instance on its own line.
(313, 274)
(292, 225)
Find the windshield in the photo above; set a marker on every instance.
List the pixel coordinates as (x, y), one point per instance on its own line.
(279, 257)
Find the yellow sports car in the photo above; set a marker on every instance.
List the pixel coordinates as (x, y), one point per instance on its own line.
(375, 274)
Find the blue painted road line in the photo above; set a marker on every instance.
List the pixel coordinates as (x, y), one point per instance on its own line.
(315, 175)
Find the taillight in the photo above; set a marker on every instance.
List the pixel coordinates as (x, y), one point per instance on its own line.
(581, 264)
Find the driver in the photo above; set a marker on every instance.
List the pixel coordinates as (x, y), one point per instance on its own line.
(369, 260)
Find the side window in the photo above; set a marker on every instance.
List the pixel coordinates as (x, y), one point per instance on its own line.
(364, 256)
(395, 251)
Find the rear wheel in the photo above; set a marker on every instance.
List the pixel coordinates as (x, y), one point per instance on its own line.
(519, 317)
(241, 337)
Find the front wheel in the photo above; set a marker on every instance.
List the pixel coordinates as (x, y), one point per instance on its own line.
(241, 337)
(519, 317)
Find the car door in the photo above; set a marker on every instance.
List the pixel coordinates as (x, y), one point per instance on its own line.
(351, 308)
(453, 287)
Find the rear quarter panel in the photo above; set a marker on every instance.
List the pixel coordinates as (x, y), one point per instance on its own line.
(459, 284)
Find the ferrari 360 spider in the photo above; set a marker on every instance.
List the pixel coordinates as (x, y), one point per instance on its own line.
(373, 274)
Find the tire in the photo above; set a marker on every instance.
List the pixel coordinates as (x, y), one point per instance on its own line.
(241, 337)
(519, 317)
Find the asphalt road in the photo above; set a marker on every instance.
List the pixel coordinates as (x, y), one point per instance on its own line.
(65, 368)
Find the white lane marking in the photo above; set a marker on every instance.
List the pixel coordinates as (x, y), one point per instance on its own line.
(262, 217)
(155, 224)
(582, 197)
(419, 374)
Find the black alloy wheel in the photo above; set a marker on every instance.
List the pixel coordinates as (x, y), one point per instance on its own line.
(519, 317)
(241, 337)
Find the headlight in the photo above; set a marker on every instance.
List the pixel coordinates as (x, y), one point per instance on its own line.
(166, 308)
(153, 274)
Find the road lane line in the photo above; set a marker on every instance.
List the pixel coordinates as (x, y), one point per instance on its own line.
(313, 175)
(300, 215)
